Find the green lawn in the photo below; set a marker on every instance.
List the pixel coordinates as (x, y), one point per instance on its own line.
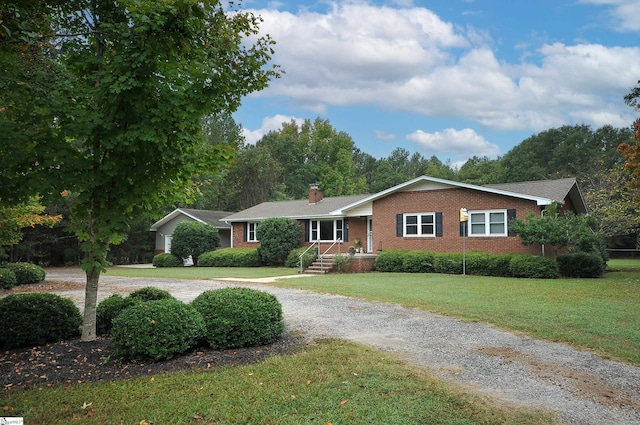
(597, 314)
(332, 382)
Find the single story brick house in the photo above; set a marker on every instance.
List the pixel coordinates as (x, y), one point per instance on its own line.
(164, 227)
(420, 214)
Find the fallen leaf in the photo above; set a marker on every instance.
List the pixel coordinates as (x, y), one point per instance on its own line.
(343, 402)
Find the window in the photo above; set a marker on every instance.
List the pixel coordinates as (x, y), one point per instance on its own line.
(422, 224)
(488, 223)
(326, 230)
(251, 232)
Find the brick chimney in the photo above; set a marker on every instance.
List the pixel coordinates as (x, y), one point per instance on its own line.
(315, 194)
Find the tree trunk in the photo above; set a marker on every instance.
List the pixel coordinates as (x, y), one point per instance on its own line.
(90, 304)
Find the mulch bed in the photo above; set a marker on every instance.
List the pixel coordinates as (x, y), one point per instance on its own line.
(73, 362)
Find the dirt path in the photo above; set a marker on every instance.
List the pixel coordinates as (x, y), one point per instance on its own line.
(581, 387)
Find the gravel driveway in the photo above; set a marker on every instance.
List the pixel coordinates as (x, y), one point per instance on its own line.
(581, 387)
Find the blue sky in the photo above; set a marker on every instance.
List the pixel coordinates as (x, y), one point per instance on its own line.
(450, 78)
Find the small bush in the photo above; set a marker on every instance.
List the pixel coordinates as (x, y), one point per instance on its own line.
(30, 319)
(533, 267)
(449, 263)
(230, 257)
(156, 330)
(581, 264)
(418, 262)
(167, 260)
(7, 278)
(109, 309)
(342, 261)
(26, 273)
(239, 317)
(150, 293)
(498, 265)
(390, 260)
(293, 259)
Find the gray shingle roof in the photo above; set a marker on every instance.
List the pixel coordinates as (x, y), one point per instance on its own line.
(294, 209)
(211, 217)
(556, 190)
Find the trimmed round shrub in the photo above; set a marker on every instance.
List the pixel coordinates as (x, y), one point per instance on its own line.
(449, 263)
(230, 257)
(150, 293)
(390, 260)
(108, 309)
(31, 319)
(581, 264)
(156, 330)
(167, 259)
(26, 273)
(293, 259)
(533, 267)
(498, 265)
(7, 278)
(418, 262)
(239, 317)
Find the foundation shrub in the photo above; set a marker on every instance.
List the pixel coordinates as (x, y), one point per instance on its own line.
(418, 262)
(533, 267)
(30, 319)
(7, 278)
(26, 273)
(390, 260)
(293, 259)
(230, 257)
(581, 264)
(167, 260)
(156, 330)
(239, 317)
(448, 263)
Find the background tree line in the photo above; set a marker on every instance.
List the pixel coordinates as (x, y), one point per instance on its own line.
(282, 164)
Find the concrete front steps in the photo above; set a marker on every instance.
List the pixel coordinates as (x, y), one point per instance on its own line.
(324, 266)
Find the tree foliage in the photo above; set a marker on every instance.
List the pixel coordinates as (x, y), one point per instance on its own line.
(125, 85)
(29, 213)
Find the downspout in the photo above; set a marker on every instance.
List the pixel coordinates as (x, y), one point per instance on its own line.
(542, 215)
(231, 241)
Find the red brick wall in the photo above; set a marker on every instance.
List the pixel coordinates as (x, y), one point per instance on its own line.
(449, 202)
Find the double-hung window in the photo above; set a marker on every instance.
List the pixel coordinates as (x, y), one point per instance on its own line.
(419, 224)
(251, 232)
(326, 230)
(488, 223)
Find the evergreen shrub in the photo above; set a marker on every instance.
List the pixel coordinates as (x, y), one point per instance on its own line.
(293, 259)
(448, 263)
(150, 293)
(7, 278)
(390, 260)
(277, 236)
(167, 259)
(533, 267)
(239, 317)
(581, 264)
(156, 330)
(108, 309)
(193, 238)
(230, 257)
(30, 319)
(418, 262)
(26, 273)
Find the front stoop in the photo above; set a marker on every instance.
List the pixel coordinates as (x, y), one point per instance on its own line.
(324, 266)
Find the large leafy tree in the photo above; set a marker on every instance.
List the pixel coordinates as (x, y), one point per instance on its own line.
(631, 149)
(136, 77)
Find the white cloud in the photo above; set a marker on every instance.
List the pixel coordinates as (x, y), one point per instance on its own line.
(273, 123)
(465, 142)
(383, 135)
(408, 59)
(624, 13)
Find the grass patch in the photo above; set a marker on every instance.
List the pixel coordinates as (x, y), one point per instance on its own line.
(202, 272)
(331, 382)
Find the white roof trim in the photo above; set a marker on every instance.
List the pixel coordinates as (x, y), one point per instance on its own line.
(173, 214)
(398, 188)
